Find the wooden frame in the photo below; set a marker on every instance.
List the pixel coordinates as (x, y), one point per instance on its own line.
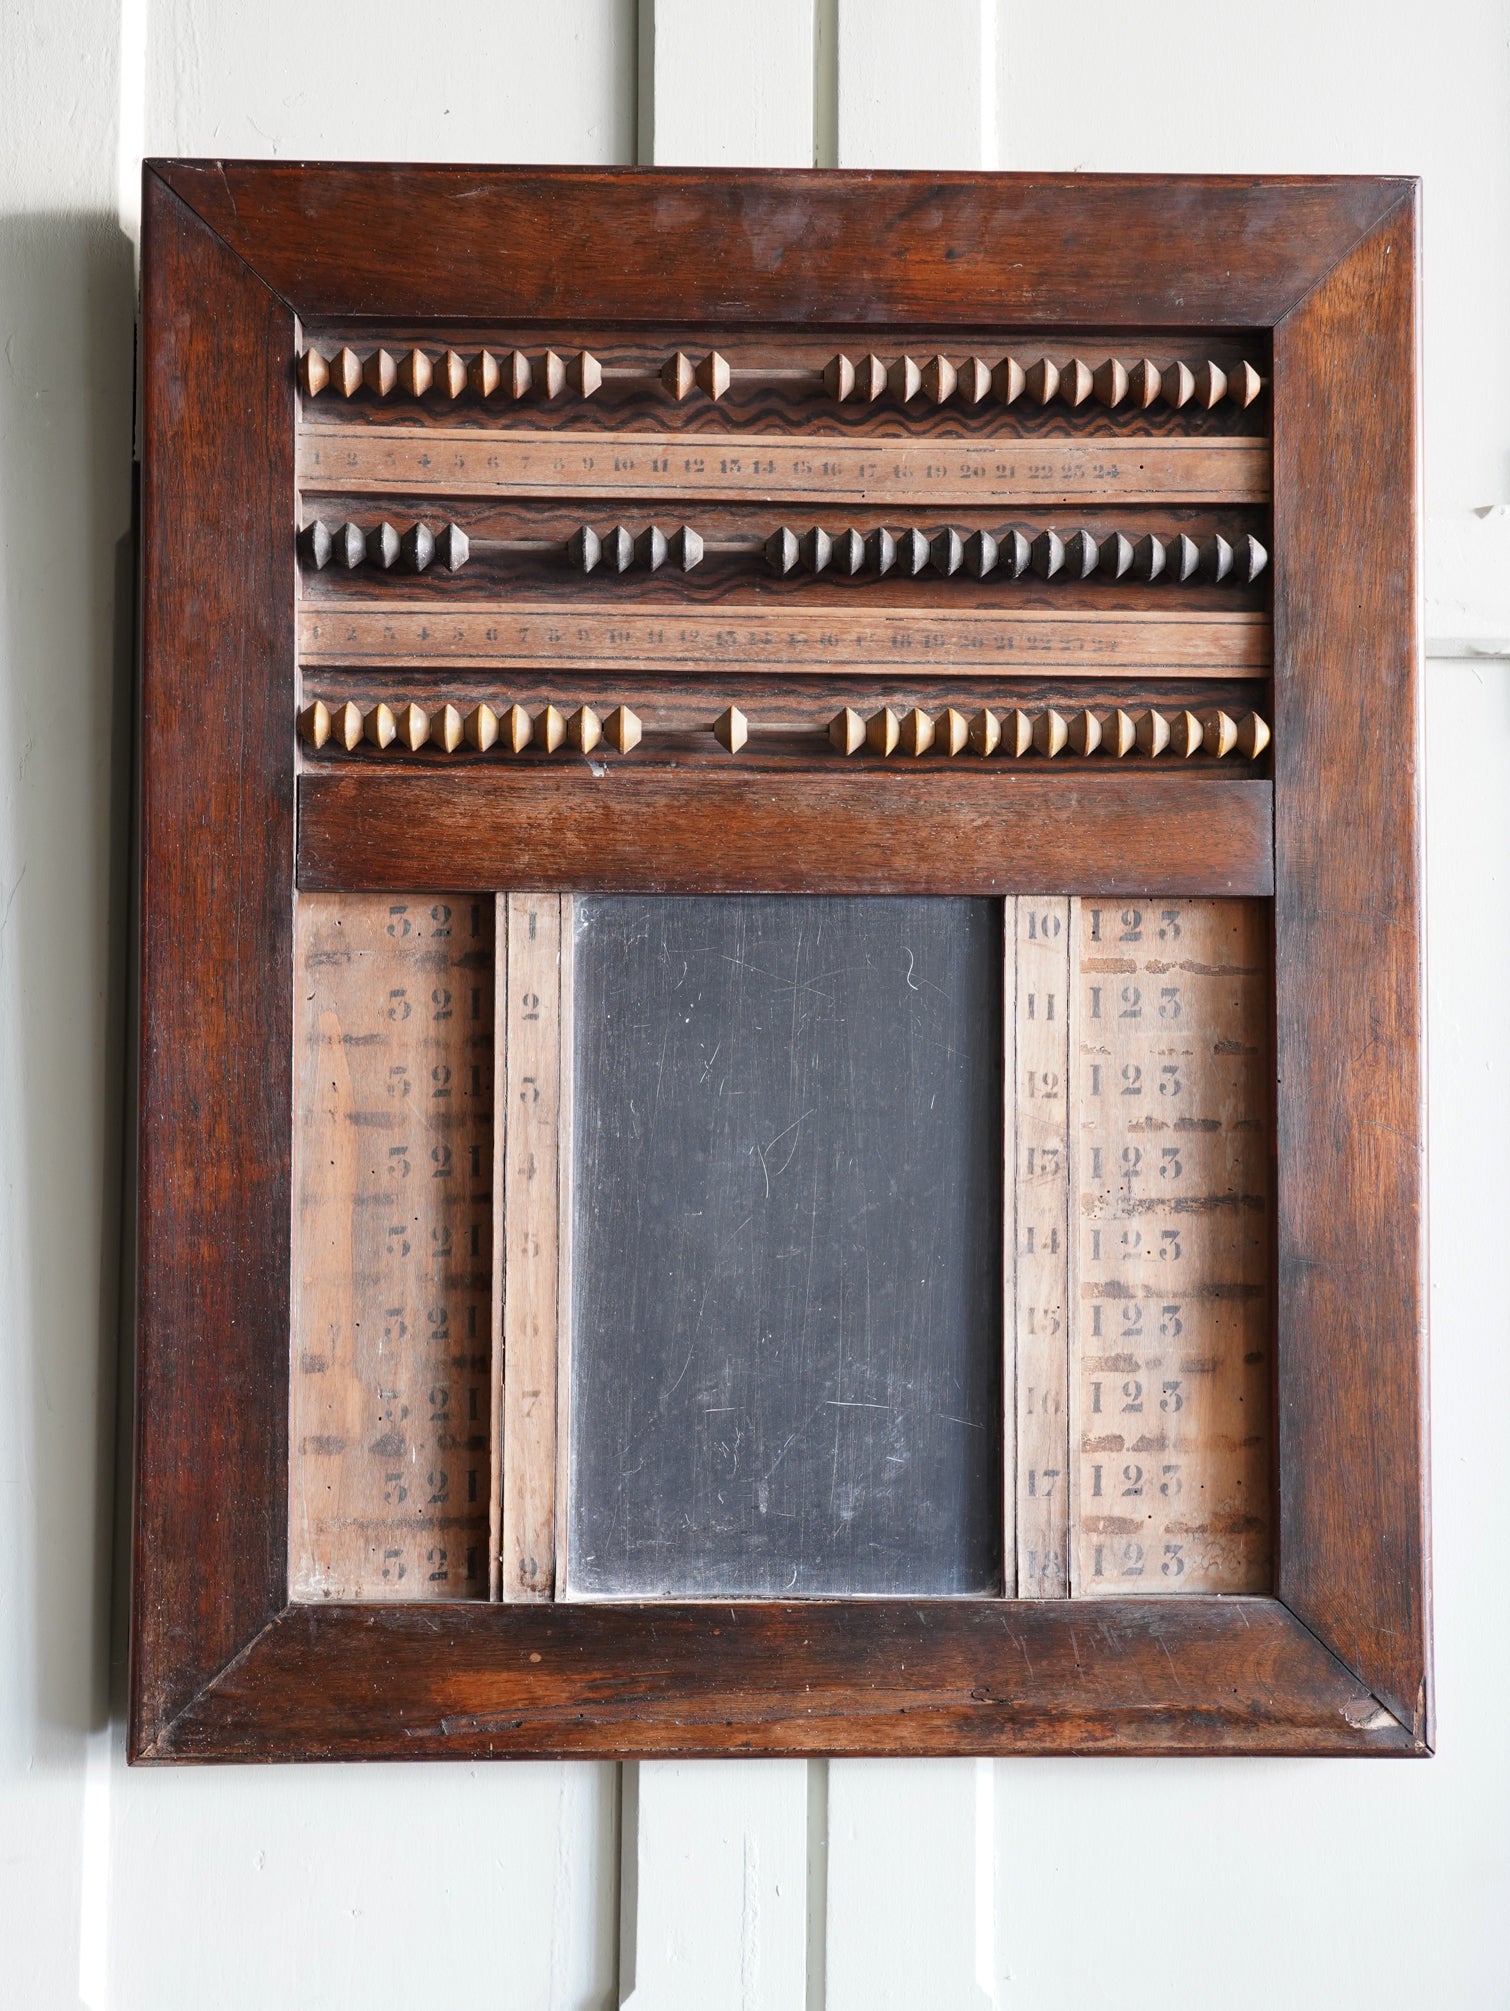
(223, 1666)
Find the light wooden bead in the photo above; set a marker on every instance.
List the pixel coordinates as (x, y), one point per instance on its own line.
(1118, 734)
(839, 378)
(515, 729)
(584, 373)
(1076, 381)
(550, 729)
(1084, 733)
(379, 726)
(314, 723)
(974, 380)
(483, 374)
(346, 372)
(870, 379)
(552, 374)
(621, 729)
(939, 379)
(915, 735)
(1151, 733)
(985, 734)
(679, 375)
(731, 729)
(1051, 732)
(1110, 382)
(882, 731)
(1144, 381)
(846, 731)
(520, 374)
(951, 732)
(1041, 380)
(380, 373)
(412, 726)
(584, 729)
(1252, 736)
(1185, 735)
(1008, 380)
(447, 729)
(481, 727)
(347, 725)
(416, 373)
(1243, 385)
(905, 379)
(1218, 733)
(450, 375)
(713, 375)
(314, 373)
(1210, 384)
(1178, 385)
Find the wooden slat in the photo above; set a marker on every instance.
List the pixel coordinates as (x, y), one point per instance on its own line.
(817, 470)
(532, 1248)
(1171, 1331)
(742, 640)
(873, 832)
(390, 1410)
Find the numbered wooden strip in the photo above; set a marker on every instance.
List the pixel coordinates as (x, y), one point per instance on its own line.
(1171, 1327)
(390, 1390)
(846, 643)
(532, 1214)
(1041, 1300)
(822, 470)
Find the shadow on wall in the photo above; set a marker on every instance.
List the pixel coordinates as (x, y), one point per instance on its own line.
(66, 673)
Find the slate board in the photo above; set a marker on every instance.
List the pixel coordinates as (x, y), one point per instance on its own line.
(786, 1369)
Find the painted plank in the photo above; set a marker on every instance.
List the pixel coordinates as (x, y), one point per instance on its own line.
(729, 86)
(916, 85)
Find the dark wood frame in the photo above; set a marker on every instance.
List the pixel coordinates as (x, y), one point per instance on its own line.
(223, 1667)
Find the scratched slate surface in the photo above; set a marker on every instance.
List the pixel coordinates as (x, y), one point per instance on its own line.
(787, 1303)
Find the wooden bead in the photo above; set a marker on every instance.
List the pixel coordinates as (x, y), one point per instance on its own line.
(520, 375)
(416, 373)
(379, 726)
(1210, 384)
(382, 546)
(882, 731)
(913, 553)
(412, 726)
(314, 546)
(946, 552)
(1243, 385)
(481, 727)
(731, 729)
(1216, 557)
(1116, 556)
(1008, 380)
(1118, 734)
(1041, 380)
(380, 373)
(846, 731)
(684, 549)
(1178, 385)
(348, 547)
(584, 729)
(650, 548)
(782, 551)
(951, 731)
(1181, 558)
(713, 375)
(1084, 733)
(447, 729)
(1151, 733)
(617, 549)
(621, 729)
(1252, 736)
(905, 379)
(1185, 735)
(1051, 732)
(584, 373)
(939, 379)
(880, 551)
(839, 378)
(552, 374)
(416, 548)
(974, 380)
(915, 734)
(452, 548)
(1016, 734)
(981, 554)
(1248, 558)
(1076, 381)
(550, 729)
(346, 372)
(483, 374)
(1143, 383)
(515, 729)
(817, 548)
(1081, 553)
(1218, 733)
(450, 375)
(1148, 557)
(1110, 382)
(1014, 554)
(314, 723)
(1048, 554)
(984, 736)
(849, 553)
(870, 379)
(584, 548)
(679, 375)
(347, 725)
(314, 373)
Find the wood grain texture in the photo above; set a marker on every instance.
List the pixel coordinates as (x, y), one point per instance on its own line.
(944, 1676)
(867, 249)
(995, 832)
(1352, 1280)
(216, 977)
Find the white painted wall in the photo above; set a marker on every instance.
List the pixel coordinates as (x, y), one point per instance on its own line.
(857, 1884)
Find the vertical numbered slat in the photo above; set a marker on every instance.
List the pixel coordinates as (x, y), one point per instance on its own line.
(390, 1426)
(1040, 1300)
(533, 1041)
(1170, 1334)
